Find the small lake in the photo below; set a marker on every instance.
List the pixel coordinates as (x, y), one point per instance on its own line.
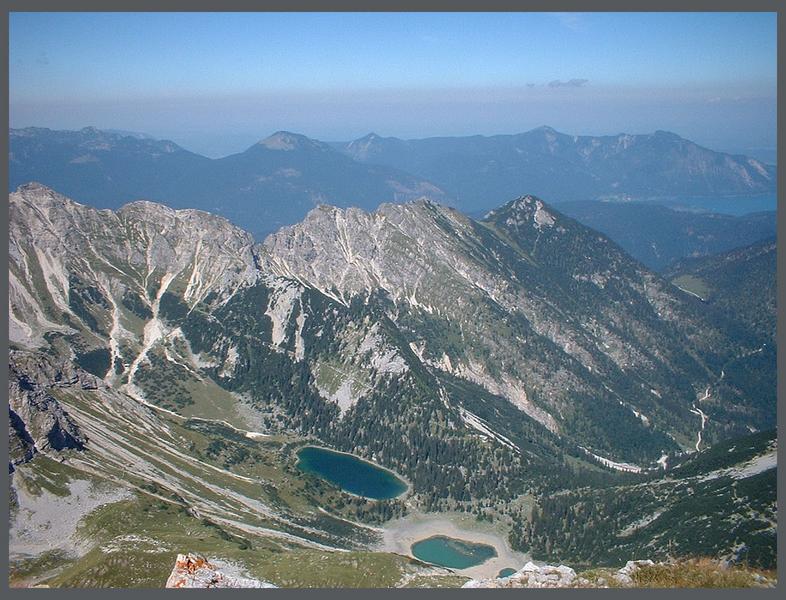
(350, 473)
(506, 572)
(451, 552)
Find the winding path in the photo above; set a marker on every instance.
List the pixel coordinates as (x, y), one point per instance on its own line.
(697, 411)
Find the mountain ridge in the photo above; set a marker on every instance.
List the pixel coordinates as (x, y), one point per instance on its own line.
(562, 167)
(263, 187)
(659, 236)
(260, 188)
(491, 364)
(419, 264)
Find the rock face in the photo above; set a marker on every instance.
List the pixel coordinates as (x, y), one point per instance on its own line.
(526, 307)
(561, 290)
(37, 421)
(530, 576)
(90, 283)
(194, 571)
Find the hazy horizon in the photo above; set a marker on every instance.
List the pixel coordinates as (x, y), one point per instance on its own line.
(239, 143)
(215, 83)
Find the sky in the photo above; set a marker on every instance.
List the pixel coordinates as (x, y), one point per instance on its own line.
(218, 82)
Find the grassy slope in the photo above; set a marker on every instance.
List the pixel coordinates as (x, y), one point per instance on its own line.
(190, 493)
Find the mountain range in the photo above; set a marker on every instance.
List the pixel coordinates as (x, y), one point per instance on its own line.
(475, 170)
(273, 183)
(167, 353)
(659, 236)
(278, 180)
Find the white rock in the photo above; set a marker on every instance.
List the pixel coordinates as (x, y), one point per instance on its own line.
(194, 571)
(529, 576)
(623, 576)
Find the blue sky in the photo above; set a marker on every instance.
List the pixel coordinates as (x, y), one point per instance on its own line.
(218, 82)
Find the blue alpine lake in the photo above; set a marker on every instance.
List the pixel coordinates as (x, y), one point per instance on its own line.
(350, 473)
(451, 552)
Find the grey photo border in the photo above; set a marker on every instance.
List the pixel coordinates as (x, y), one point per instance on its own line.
(405, 6)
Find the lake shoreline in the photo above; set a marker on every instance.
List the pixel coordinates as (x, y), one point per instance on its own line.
(396, 476)
(399, 535)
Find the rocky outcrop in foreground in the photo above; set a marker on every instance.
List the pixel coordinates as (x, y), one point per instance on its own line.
(194, 571)
(700, 572)
(549, 576)
(531, 576)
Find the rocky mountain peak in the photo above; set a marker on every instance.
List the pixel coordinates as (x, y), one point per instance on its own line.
(156, 213)
(35, 201)
(366, 147)
(143, 245)
(39, 191)
(288, 141)
(545, 129)
(525, 209)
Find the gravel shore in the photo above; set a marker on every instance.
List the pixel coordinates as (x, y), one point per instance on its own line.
(399, 535)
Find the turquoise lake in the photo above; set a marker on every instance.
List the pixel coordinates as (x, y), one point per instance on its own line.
(350, 473)
(451, 552)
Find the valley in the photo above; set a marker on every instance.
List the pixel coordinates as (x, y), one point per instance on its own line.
(402, 535)
(311, 408)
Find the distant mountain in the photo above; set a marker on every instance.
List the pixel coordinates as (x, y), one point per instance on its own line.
(477, 170)
(657, 235)
(136, 134)
(278, 180)
(741, 282)
(273, 183)
(101, 168)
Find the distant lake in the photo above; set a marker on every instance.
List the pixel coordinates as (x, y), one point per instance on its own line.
(726, 205)
(451, 552)
(506, 572)
(350, 473)
(735, 205)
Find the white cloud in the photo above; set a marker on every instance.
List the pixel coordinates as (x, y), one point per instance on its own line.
(570, 20)
(569, 83)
